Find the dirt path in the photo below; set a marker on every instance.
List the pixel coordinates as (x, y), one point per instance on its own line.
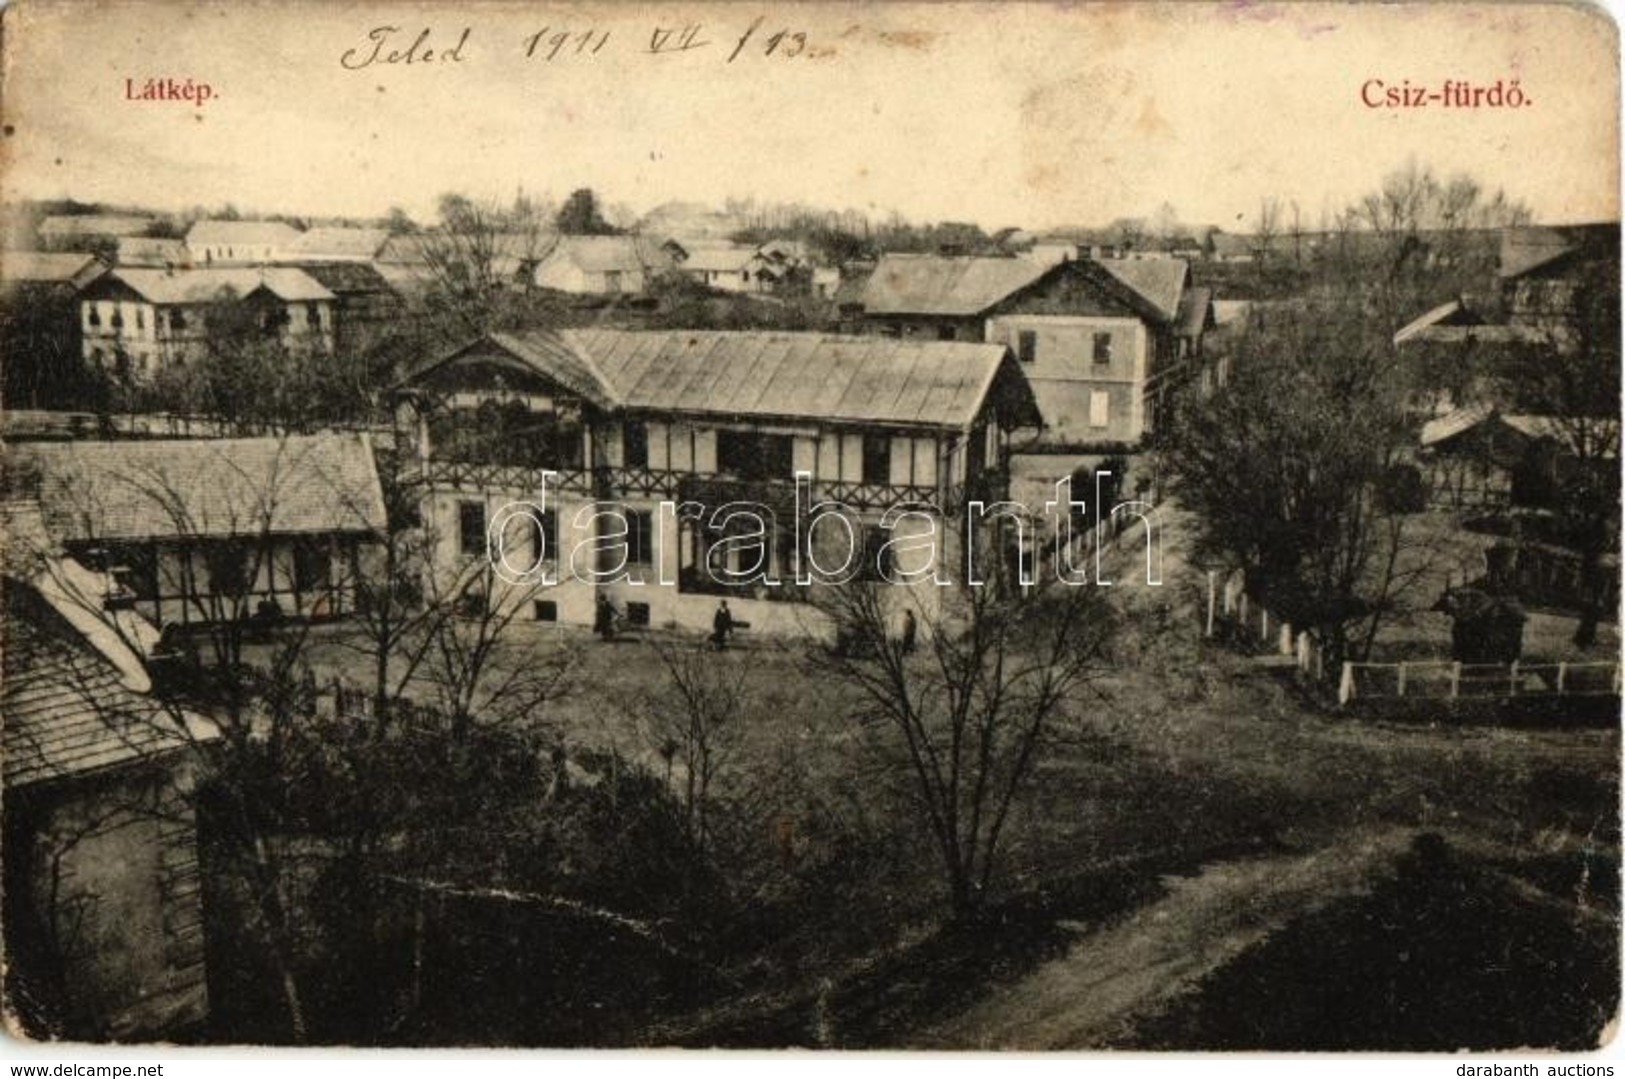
(1091, 997)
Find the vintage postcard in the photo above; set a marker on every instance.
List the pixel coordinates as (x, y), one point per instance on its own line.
(846, 526)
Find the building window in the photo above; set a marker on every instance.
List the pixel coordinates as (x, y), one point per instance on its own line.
(1099, 408)
(612, 281)
(635, 444)
(93, 317)
(177, 321)
(117, 321)
(312, 566)
(471, 528)
(751, 455)
(637, 615)
(640, 537)
(876, 459)
(313, 317)
(1103, 348)
(545, 610)
(1026, 346)
(140, 318)
(544, 537)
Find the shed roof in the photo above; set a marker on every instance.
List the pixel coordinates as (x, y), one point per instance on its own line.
(214, 488)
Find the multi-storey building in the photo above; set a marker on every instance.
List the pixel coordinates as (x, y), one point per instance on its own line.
(677, 432)
(136, 321)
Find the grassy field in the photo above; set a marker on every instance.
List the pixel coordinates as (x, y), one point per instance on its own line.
(1192, 852)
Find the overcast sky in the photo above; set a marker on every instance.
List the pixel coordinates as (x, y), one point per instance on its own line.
(1000, 114)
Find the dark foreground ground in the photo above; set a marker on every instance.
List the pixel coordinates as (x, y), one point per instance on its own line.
(1211, 862)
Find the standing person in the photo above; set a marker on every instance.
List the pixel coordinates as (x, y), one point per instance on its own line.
(603, 619)
(722, 626)
(910, 630)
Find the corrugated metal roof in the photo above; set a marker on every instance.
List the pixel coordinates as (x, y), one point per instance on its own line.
(945, 284)
(204, 285)
(67, 711)
(233, 487)
(253, 233)
(818, 376)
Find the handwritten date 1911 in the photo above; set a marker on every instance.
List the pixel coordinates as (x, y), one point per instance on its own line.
(550, 44)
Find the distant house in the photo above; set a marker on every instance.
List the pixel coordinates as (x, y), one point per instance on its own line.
(1545, 274)
(153, 252)
(136, 321)
(1229, 247)
(1100, 340)
(103, 912)
(1478, 456)
(202, 530)
(61, 230)
(601, 265)
(242, 243)
(723, 266)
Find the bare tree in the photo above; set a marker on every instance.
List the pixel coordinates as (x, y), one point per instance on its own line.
(974, 711)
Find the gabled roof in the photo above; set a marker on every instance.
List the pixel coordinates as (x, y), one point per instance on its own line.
(205, 285)
(772, 375)
(58, 225)
(717, 258)
(68, 709)
(1160, 282)
(49, 268)
(607, 254)
(1230, 245)
(222, 488)
(247, 233)
(1448, 426)
(336, 242)
(951, 285)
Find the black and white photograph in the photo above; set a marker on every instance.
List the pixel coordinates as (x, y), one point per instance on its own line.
(841, 527)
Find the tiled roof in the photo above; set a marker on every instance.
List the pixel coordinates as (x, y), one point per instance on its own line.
(216, 487)
(333, 242)
(205, 285)
(945, 284)
(67, 708)
(249, 233)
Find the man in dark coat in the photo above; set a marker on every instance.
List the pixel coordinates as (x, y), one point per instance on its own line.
(722, 626)
(603, 619)
(911, 629)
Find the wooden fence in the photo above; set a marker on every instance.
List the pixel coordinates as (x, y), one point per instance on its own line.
(1450, 681)
(1254, 622)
